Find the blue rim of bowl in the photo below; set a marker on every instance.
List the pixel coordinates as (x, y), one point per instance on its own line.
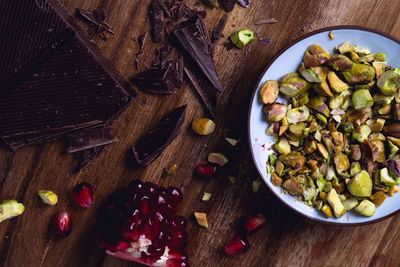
(339, 27)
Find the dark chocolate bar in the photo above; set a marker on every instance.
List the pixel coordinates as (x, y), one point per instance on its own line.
(150, 146)
(72, 87)
(83, 140)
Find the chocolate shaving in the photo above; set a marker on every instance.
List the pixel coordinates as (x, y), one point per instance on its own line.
(264, 41)
(88, 139)
(142, 40)
(244, 3)
(228, 4)
(265, 21)
(86, 157)
(150, 146)
(217, 32)
(193, 38)
(205, 89)
(157, 17)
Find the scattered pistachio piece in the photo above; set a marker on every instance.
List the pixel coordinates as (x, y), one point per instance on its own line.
(256, 185)
(231, 141)
(331, 36)
(48, 197)
(232, 179)
(201, 219)
(206, 196)
(169, 171)
(203, 126)
(10, 209)
(217, 158)
(242, 37)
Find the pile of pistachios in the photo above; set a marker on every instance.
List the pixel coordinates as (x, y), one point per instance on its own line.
(338, 137)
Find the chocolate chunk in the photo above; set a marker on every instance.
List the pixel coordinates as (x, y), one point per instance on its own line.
(264, 41)
(228, 4)
(150, 146)
(161, 81)
(205, 89)
(193, 38)
(157, 17)
(265, 21)
(244, 3)
(217, 32)
(73, 87)
(87, 156)
(87, 139)
(96, 17)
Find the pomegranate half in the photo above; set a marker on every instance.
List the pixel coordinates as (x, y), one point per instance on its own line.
(138, 223)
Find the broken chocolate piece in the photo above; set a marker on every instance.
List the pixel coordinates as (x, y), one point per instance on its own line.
(87, 139)
(244, 3)
(73, 87)
(228, 4)
(265, 21)
(264, 41)
(157, 18)
(205, 90)
(96, 17)
(161, 81)
(219, 29)
(87, 156)
(194, 39)
(150, 146)
(211, 3)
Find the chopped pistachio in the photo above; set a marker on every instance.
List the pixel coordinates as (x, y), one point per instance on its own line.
(48, 197)
(206, 196)
(201, 219)
(242, 37)
(232, 179)
(203, 126)
(217, 158)
(10, 209)
(255, 185)
(231, 141)
(366, 208)
(331, 36)
(269, 92)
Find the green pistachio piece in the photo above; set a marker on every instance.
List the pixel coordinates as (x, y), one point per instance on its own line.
(336, 84)
(335, 203)
(323, 89)
(382, 99)
(298, 128)
(379, 57)
(364, 86)
(359, 74)
(283, 146)
(311, 76)
(299, 114)
(318, 103)
(362, 98)
(393, 150)
(385, 177)
(350, 203)
(242, 38)
(389, 82)
(355, 168)
(360, 185)
(361, 133)
(10, 209)
(340, 62)
(293, 86)
(379, 68)
(366, 208)
(315, 55)
(275, 111)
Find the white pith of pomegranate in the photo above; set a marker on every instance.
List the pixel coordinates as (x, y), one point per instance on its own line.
(139, 224)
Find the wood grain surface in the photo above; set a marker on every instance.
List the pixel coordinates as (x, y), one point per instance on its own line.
(288, 239)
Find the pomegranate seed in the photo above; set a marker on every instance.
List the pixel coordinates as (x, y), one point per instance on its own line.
(176, 263)
(131, 229)
(176, 238)
(135, 185)
(148, 188)
(62, 223)
(83, 195)
(254, 223)
(145, 205)
(174, 195)
(175, 253)
(122, 245)
(237, 245)
(177, 222)
(206, 171)
(151, 228)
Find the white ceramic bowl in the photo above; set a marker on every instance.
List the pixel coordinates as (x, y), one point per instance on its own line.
(288, 60)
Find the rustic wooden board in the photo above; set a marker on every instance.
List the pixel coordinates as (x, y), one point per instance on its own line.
(288, 239)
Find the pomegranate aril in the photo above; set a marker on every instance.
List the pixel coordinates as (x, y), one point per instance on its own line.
(176, 263)
(131, 229)
(83, 195)
(62, 223)
(237, 245)
(151, 227)
(122, 245)
(254, 223)
(145, 206)
(176, 238)
(206, 171)
(177, 222)
(134, 186)
(148, 189)
(174, 194)
(176, 253)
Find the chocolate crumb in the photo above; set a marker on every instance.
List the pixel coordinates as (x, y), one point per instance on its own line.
(244, 3)
(264, 41)
(142, 40)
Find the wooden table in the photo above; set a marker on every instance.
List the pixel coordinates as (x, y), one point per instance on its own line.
(288, 239)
